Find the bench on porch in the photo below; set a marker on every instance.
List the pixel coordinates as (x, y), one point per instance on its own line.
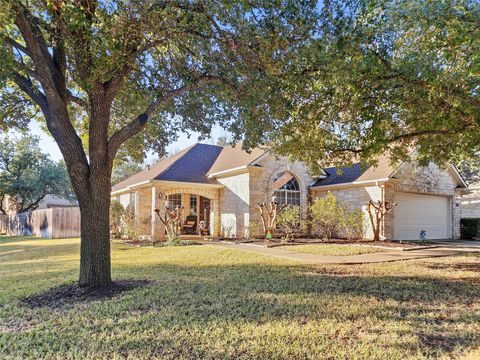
(190, 225)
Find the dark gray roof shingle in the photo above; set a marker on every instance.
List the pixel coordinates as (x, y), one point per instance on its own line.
(346, 175)
(193, 165)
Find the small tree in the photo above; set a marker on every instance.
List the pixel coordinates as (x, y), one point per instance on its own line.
(269, 213)
(353, 224)
(377, 211)
(171, 221)
(289, 221)
(27, 175)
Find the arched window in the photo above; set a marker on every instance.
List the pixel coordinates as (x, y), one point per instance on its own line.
(286, 189)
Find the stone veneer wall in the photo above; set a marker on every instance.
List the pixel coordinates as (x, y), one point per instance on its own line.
(358, 198)
(470, 203)
(430, 180)
(261, 180)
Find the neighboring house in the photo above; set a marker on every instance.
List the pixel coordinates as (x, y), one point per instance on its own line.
(49, 201)
(223, 185)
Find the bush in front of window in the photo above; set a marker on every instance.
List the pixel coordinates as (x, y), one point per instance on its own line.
(330, 219)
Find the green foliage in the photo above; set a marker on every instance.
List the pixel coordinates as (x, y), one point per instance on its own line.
(205, 62)
(353, 224)
(469, 228)
(124, 169)
(325, 215)
(386, 76)
(289, 221)
(117, 212)
(329, 219)
(28, 175)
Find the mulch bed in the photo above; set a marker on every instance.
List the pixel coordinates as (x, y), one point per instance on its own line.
(61, 296)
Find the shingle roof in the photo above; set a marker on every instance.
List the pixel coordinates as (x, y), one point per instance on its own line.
(357, 172)
(233, 157)
(188, 165)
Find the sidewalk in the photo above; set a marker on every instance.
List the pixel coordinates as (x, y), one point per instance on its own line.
(379, 257)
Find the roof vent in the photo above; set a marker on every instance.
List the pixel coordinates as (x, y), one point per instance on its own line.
(148, 168)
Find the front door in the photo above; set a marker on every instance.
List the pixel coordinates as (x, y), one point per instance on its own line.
(205, 214)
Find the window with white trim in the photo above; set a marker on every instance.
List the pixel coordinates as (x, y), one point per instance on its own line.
(286, 189)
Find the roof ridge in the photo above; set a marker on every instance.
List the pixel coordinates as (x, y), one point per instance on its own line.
(185, 152)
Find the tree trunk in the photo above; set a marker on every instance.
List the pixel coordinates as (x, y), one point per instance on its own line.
(95, 268)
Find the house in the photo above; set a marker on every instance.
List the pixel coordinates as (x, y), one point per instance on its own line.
(222, 186)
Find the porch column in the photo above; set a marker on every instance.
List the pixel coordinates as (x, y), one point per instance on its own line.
(158, 202)
(143, 211)
(215, 217)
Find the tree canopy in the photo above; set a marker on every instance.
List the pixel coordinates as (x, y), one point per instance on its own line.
(27, 175)
(101, 72)
(386, 76)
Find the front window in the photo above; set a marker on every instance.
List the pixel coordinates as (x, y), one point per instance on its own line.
(193, 204)
(286, 189)
(174, 201)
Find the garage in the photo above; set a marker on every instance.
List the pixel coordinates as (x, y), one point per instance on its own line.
(415, 212)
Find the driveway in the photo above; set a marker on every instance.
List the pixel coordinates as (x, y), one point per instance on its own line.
(379, 257)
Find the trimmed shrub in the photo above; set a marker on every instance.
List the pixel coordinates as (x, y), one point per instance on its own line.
(469, 228)
(330, 219)
(289, 221)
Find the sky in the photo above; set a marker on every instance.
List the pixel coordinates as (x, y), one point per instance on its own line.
(49, 146)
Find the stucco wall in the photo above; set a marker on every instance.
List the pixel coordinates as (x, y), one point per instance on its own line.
(234, 205)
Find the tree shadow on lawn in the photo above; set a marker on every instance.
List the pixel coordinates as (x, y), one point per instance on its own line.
(438, 312)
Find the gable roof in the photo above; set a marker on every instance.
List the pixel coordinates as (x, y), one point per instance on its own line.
(189, 165)
(357, 173)
(361, 173)
(232, 157)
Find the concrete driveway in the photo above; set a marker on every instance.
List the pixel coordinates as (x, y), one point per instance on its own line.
(394, 254)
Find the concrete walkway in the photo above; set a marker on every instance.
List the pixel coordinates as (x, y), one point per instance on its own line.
(379, 257)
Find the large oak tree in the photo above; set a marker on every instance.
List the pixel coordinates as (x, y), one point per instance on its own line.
(101, 72)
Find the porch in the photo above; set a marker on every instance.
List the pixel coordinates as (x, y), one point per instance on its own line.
(200, 204)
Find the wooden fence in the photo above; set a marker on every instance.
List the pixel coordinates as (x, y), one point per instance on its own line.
(51, 223)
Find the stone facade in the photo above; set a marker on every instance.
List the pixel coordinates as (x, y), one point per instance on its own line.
(408, 177)
(234, 205)
(358, 198)
(261, 180)
(470, 203)
(233, 200)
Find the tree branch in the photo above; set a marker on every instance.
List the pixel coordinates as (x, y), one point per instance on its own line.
(27, 87)
(16, 45)
(140, 121)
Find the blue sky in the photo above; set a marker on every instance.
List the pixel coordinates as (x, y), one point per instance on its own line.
(49, 146)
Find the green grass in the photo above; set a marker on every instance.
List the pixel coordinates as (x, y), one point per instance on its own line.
(212, 303)
(331, 249)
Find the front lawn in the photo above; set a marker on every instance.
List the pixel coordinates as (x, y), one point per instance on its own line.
(205, 302)
(332, 249)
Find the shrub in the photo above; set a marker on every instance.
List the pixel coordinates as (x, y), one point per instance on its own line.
(117, 212)
(325, 214)
(353, 224)
(289, 221)
(330, 219)
(469, 228)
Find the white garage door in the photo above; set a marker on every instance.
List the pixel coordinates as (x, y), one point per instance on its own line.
(415, 213)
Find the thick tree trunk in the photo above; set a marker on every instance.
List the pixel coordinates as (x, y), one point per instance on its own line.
(95, 268)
